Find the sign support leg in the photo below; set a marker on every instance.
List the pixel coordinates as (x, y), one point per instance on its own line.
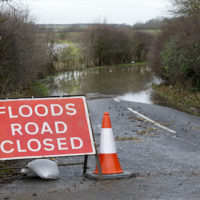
(85, 164)
(98, 166)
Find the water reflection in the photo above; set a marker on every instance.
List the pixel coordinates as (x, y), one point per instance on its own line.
(124, 83)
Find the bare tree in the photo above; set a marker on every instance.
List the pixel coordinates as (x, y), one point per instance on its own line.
(23, 55)
(186, 7)
(107, 45)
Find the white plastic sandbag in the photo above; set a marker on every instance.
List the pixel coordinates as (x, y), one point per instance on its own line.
(28, 172)
(44, 168)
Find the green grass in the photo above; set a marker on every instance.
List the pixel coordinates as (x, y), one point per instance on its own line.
(37, 89)
(4, 172)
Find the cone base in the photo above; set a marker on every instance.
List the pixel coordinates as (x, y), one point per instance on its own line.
(109, 164)
(125, 174)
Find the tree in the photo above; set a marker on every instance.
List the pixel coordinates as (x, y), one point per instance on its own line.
(186, 7)
(154, 24)
(23, 55)
(175, 52)
(69, 57)
(140, 45)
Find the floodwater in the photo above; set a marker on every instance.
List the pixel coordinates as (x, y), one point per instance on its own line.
(122, 83)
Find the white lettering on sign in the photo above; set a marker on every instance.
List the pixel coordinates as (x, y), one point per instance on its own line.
(41, 110)
(16, 128)
(55, 112)
(25, 111)
(3, 146)
(45, 110)
(80, 142)
(48, 146)
(31, 143)
(31, 128)
(19, 147)
(62, 145)
(46, 128)
(10, 113)
(2, 110)
(70, 109)
(60, 127)
(35, 145)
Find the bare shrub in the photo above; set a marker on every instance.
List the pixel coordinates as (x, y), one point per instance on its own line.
(23, 55)
(106, 44)
(175, 53)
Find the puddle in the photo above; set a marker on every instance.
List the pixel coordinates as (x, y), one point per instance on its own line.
(141, 97)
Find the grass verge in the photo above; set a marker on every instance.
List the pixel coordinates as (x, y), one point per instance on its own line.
(35, 89)
(8, 174)
(183, 99)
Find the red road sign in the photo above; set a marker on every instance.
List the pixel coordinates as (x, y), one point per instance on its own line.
(45, 127)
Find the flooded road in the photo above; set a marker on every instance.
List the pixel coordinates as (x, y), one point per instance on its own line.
(159, 144)
(130, 83)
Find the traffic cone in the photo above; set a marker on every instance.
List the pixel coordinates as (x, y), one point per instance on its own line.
(107, 154)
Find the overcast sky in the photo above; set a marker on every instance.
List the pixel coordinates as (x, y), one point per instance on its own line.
(89, 11)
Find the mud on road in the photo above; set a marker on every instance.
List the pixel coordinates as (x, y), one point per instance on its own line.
(166, 160)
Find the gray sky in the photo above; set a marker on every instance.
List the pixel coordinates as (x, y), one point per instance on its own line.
(89, 11)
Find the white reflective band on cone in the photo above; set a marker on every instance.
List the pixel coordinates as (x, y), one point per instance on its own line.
(107, 143)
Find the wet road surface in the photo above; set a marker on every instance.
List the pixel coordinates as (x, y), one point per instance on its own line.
(166, 161)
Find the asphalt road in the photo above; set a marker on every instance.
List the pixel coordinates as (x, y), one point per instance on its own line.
(164, 152)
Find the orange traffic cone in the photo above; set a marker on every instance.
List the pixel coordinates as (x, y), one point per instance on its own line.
(107, 154)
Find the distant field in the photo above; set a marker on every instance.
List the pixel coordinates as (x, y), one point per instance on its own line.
(64, 27)
(82, 27)
(59, 37)
(152, 31)
(74, 32)
(72, 27)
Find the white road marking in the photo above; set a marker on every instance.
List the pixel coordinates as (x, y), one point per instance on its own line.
(116, 99)
(150, 120)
